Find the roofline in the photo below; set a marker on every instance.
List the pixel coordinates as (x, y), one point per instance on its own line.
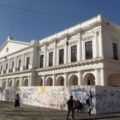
(14, 41)
(29, 47)
(80, 25)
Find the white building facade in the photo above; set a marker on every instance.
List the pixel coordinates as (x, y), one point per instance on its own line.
(85, 54)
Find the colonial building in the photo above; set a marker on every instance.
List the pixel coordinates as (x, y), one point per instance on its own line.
(85, 54)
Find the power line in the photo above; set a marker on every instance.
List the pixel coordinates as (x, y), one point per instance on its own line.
(36, 11)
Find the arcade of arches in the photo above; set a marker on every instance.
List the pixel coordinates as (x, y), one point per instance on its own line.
(12, 83)
(89, 79)
(71, 80)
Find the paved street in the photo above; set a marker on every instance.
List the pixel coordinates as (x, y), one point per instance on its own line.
(8, 112)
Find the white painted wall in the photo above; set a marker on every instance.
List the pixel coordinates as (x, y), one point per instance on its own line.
(12, 47)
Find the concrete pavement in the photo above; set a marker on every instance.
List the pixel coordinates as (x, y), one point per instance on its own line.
(26, 112)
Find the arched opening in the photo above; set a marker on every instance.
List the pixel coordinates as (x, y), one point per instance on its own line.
(17, 84)
(114, 80)
(4, 84)
(10, 83)
(89, 79)
(60, 81)
(73, 80)
(25, 82)
(49, 82)
(41, 82)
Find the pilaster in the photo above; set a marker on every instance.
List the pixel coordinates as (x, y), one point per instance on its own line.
(66, 80)
(80, 78)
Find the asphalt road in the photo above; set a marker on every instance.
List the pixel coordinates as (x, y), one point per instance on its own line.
(26, 112)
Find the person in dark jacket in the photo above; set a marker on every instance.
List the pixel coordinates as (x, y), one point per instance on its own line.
(70, 103)
(79, 106)
(17, 101)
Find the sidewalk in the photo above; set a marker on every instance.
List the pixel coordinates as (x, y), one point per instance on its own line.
(26, 112)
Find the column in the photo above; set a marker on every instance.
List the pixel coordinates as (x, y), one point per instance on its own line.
(79, 48)
(83, 50)
(97, 45)
(100, 41)
(31, 80)
(23, 61)
(15, 59)
(54, 80)
(66, 79)
(102, 77)
(97, 77)
(32, 59)
(43, 78)
(66, 51)
(80, 78)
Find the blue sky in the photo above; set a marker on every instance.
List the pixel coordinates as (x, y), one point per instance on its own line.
(26, 20)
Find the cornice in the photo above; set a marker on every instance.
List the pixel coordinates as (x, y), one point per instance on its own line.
(16, 73)
(111, 60)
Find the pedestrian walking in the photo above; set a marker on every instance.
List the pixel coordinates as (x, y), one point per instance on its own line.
(70, 103)
(17, 101)
(89, 103)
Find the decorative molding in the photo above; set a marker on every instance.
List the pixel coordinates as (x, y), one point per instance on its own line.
(60, 46)
(50, 49)
(88, 37)
(73, 42)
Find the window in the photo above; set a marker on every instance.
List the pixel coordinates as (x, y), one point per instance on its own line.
(12, 65)
(51, 59)
(41, 61)
(61, 56)
(27, 62)
(115, 51)
(88, 50)
(6, 66)
(74, 53)
(19, 64)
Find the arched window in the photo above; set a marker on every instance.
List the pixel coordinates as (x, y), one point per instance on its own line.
(49, 82)
(60, 81)
(25, 82)
(73, 80)
(17, 84)
(89, 79)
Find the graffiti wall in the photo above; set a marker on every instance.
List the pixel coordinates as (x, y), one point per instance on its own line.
(102, 99)
(107, 99)
(55, 97)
